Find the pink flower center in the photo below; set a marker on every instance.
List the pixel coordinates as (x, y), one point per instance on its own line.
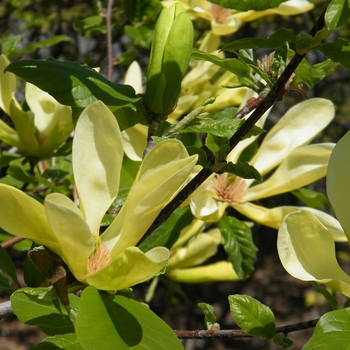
(219, 13)
(228, 188)
(98, 258)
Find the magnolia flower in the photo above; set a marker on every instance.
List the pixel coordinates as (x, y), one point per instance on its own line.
(110, 261)
(305, 245)
(226, 21)
(285, 147)
(191, 251)
(39, 131)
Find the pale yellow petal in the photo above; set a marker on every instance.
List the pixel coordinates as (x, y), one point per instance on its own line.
(129, 268)
(198, 250)
(220, 271)
(25, 217)
(296, 128)
(9, 135)
(273, 217)
(162, 174)
(7, 85)
(133, 77)
(307, 251)
(135, 141)
(71, 232)
(338, 185)
(97, 159)
(303, 166)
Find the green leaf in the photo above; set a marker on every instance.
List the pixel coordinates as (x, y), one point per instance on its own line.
(337, 52)
(329, 297)
(7, 265)
(238, 244)
(9, 43)
(277, 39)
(232, 65)
(5, 282)
(209, 316)
(167, 234)
(64, 342)
(331, 332)
(31, 308)
(139, 36)
(92, 25)
(122, 324)
(138, 11)
(54, 40)
(202, 156)
(337, 14)
(242, 169)
(78, 85)
(218, 127)
(246, 5)
(311, 198)
(252, 316)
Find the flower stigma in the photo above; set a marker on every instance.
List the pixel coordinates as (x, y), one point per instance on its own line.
(228, 188)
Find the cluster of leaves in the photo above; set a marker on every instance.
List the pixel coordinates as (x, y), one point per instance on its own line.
(123, 322)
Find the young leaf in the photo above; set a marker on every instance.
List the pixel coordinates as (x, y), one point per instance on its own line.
(63, 342)
(30, 308)
(252, 316)
(256, 5)
(122, 324)
(331, 332)
(242, 169)
(167, 234)
(337, 52)
(78, 85)
(238, 244)
(8, 266)
(209, 316)
(337, 14)
(311, 198)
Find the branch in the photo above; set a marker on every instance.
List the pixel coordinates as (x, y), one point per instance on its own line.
(5, 309)
(238, 333)
(10, 242)
(109, 38)
(275, 94)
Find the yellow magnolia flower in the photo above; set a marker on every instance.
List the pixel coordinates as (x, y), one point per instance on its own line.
(305, 245)
(285, 147)
(38, 131)
(109, 261)
(226, 21)
(191, 251)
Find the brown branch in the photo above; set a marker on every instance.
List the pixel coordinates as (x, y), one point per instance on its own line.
(238, 333)
(109, 38)
(10, 242)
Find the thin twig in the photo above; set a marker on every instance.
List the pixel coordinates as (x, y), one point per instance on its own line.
(238, 333)
(10, 242)
(5, 309)
(109, 38)
(275, 94)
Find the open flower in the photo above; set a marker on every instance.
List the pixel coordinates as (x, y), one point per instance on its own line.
(109, 261)
(305, 245)
(39, 131)
(226, 21)
(285, 147)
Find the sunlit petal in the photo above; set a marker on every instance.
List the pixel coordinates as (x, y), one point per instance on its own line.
(296, 128)
(25, 217)
(163, 171)
(273, 217)
(220, 271)
(7, 85)
(135, 141)
(97, 159)
(307, 251)
(338, 188)
(303, 166)
(129, 268)
(71, 231)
